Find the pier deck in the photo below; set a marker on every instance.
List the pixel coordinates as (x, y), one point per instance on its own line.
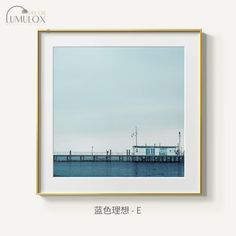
(116, 158)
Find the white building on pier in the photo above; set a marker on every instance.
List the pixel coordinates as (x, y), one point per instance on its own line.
(155, 150)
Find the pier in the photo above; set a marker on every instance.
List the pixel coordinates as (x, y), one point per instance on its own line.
(115, 157)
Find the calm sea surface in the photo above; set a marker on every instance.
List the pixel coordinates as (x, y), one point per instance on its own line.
(117, 169)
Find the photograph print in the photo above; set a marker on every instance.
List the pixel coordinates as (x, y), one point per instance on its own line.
(118, 111)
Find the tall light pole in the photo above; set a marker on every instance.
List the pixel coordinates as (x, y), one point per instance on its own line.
(92, 150)
(135, 134)
(179, 140)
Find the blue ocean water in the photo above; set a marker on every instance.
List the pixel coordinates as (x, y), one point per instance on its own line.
(117, 169)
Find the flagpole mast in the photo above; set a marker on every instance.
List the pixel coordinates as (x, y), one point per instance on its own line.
(136, 136)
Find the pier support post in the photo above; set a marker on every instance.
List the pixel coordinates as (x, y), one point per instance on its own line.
(70, 156)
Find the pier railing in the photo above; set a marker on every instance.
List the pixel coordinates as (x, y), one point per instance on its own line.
(88, 153)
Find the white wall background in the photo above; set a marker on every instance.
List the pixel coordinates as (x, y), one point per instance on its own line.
(24, 213)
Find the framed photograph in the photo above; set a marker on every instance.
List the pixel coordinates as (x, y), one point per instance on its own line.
(119, 112)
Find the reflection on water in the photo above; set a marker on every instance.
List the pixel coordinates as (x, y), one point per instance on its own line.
(117, 169)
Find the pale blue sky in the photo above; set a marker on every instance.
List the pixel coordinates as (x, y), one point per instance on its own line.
(102, 93)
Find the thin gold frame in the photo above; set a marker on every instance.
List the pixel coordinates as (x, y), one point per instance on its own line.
(38, 128)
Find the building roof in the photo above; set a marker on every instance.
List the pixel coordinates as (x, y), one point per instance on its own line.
(154, 146)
